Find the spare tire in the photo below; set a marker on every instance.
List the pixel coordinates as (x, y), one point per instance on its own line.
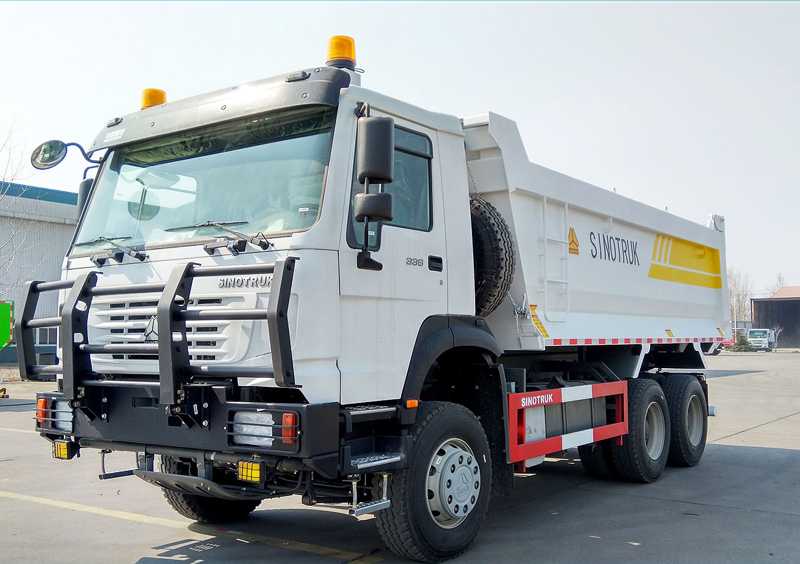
(493, 256)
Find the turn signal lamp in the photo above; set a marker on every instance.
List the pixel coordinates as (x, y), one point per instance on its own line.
(342, 52)
(153, 97)
(289, 428)
(248, 471)
(41, 411)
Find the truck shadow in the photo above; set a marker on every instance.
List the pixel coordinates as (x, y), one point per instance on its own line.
(742, 504)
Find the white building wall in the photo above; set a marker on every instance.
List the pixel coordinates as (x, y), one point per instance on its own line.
(34, 236)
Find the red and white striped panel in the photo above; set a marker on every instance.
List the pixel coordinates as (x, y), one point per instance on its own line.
(520, 449)
(565, 342)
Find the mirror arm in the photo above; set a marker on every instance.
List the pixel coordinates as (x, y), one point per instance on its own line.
(364, 260)
(88, 168)
(83, 152)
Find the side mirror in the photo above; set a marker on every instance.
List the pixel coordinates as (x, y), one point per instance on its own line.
(375, 150)
(374, 165)
(84, 188)
(48, 154)
(373, 207)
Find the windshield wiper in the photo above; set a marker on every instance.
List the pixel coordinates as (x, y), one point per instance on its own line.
(121, 249)
(259, 239)
(101, 239)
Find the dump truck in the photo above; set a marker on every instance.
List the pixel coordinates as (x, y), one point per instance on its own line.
(301, 286)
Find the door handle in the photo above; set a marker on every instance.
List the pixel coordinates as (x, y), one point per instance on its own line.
(435, 263)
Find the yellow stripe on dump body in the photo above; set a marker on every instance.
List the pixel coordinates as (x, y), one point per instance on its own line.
(538, 322)
(685, 262)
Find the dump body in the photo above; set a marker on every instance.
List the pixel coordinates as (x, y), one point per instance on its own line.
(593, 267)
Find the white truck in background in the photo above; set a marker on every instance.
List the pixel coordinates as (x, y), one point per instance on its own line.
(302, 286)
(761, 339)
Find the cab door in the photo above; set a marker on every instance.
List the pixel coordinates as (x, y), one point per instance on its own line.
(382, 311)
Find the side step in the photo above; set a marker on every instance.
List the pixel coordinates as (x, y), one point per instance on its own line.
(373, 506)
(368, 461)
(370, 507)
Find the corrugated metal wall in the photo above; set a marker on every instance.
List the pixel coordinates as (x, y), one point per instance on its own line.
(769, 314)
(31, 250)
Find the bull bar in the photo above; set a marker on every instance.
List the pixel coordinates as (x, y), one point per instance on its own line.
(174, 370)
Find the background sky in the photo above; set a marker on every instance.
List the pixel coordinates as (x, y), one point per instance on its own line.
(693, 107)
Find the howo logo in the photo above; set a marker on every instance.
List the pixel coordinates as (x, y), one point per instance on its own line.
(533, 401)
(151, 330)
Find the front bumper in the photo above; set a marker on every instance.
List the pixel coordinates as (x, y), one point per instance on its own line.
(130, 418)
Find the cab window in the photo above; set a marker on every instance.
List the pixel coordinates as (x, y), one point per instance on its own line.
(410, 189)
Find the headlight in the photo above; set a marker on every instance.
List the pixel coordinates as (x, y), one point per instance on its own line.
(266, 429)
(253, 428)
(63, 415)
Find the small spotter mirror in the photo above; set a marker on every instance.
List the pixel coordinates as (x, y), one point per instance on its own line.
(48, 154)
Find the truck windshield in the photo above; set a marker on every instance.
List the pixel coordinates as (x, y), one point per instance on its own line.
(758, 334)
(265, 173)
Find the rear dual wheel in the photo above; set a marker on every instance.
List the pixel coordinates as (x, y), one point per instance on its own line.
(667, 423)
(645, 449)
(688, 411)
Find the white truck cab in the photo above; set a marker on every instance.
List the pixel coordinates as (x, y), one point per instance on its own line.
(303, 286)
(761, 339)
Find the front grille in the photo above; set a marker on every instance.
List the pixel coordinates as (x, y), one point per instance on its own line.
(123, 322)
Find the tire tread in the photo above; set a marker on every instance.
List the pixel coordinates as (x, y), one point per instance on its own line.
(674, 386)
(494, 266)
(628, 460)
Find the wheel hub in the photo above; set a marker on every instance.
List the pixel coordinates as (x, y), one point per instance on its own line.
(654, 431)
(454, 483)
(694, 421)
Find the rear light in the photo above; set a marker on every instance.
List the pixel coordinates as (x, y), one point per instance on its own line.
(289, 428)
(41, 411)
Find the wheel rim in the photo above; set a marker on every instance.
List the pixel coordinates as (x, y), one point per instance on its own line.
(654, 430)
(454, 483)
(694, 420)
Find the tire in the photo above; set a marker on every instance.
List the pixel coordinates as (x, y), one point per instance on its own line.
(633, 461)
(596, 460)
(493, 256)
(688, 413)
(409, 527)
(201, 508)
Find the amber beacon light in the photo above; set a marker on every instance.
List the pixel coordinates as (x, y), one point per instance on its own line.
(342, 52)
(153, 97)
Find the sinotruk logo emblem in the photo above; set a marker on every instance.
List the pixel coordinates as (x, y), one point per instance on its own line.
(151, 330)
(574, 244)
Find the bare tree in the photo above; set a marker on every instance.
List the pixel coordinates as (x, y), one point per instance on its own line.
(740, 287)
(12, 238)
(777, 330)
(780, 282)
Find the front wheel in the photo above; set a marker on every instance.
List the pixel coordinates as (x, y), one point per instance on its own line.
(441, 498)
